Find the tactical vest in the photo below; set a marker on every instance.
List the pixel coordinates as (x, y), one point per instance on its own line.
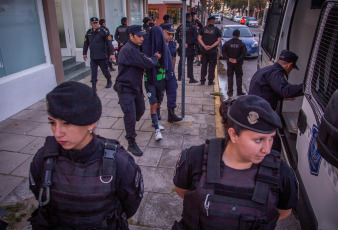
(82, 196)
(209, 36)
(123, 34)
(189, 31)
(226, 198)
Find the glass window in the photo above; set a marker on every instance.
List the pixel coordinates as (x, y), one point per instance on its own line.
(61, 27)
(273, 26)
(92, 8)
(153, 13)
(21, 45)
(135, 12)
(114, 12)
(245, 32)
(79, 20)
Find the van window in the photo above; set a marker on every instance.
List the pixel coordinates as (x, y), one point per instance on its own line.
(322, 74)
(272, 27)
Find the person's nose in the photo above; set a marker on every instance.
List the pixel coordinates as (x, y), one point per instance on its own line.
(58, 130)
(266, 147)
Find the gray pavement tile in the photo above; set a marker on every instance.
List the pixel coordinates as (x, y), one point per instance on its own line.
(9, 161)
(169, 158)
(111, 95)
(19, 194)
(102, 95)
(23, 169)
(14, 142)
(192, 141)
(104, 101)
(142, 138)
(106, 122)
(170, 141)
(203, 101)
(208, 108)
(5, 123)
(31, 115)
(185, 128)
(20, 127)
(10, 183)
(208, 131)
(108, 133)
(106, 111)
(199, 118)
(34, 146)
(119, 124)
(113, 103)
(135, 227)
(147, 125)
(43, 130)
(157, 179)
(161, 210)
(151, 157)
(40, 105)
(116, 112)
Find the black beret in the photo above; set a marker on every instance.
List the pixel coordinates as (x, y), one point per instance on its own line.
(254, 113)
(75, 103)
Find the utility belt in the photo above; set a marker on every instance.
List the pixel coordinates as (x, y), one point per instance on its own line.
(121, 88)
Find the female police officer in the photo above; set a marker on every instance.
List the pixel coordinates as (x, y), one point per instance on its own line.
(237, 182)
(81, 180)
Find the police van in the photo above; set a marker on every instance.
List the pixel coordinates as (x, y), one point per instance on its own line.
(310, 29)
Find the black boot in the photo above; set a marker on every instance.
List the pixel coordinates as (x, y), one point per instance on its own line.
(192, 80)
(134, 149)
(94, 86)
(109, 83)
(172, 117)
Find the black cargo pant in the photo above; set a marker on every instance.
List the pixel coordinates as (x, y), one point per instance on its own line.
(234, 68)
(133, 107)
(211, 59)
(103, 63)
(190, 62)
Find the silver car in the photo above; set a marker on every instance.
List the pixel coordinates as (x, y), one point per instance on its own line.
(237, 18)
(218, 18)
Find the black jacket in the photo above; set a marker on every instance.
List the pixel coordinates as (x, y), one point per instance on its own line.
(234, 48)
(191, 38)
(121, 34)
(98, 42)
(271, 84)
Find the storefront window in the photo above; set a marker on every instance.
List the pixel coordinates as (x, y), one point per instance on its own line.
(153, 13)
(136, 10)
(61, 27)
(115, 10)
(21, 45)
(92, 8)
(175, 13)
(79, 22)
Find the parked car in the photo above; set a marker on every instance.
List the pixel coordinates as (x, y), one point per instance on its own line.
(217, 16)
(251, 21)
(232, 17)
(228, 16)
(237, 18)
(243, 20)
(246, 36)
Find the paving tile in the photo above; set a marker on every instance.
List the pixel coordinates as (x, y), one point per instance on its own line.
(14, 142)
(106, 111)
(104, 101)
(20, 127)
(9, 161)
(208, 131)
(31, 115)
(151, 157)
(5, 123)
(102, 95)
(21, 194)
(40, 105)
(23, 169)
(157, 179)
(116, 112)
(106, 122)
(147, 126)
(204, 101)
(108, 133)
(135, 227)
(192, 141)
(113, 103)
(11, 183)
(170, 141)
(169, 158)
(185, 128)
(34, 146)
(142, 138)
(43, 130)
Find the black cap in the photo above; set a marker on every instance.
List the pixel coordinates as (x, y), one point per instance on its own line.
(254, 113)
(136, 29)
(211, 18)
(166, 17)
(146, 20)
(102, 21)
(124, 19)
(169, 27)
(236, 33)
(289, 56)
(75, 103)
(94, 19)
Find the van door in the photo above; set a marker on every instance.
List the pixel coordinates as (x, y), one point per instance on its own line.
(320, 178)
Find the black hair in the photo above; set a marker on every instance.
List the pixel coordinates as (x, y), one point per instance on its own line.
(102, 21)
(146, 20)
(228, 123)
(124, 19)
(166, 17)
(188, 15)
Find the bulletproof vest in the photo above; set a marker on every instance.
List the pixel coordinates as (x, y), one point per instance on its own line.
(123, 33)
(189, 31)
(209, 36)
(237, 199)
(82, 196)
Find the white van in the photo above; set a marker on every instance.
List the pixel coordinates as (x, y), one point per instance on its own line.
(310, 29)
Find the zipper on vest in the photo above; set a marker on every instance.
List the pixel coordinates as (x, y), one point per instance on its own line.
(207, 204)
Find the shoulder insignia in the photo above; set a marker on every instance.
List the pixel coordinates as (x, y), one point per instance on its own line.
(84, 39)
(110, 38)
(106, 31)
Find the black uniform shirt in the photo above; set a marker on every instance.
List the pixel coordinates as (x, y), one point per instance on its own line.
(191, 37)
(126, 170)
(234, 48)
(121, 34)
(131, 67)
(271, 84)
(98, 41)
(189, 171)
(210, 35)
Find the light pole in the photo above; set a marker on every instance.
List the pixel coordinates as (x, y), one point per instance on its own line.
(184, 8)
(248, 8)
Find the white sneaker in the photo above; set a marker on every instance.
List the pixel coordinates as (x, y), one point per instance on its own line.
(158, 135)
(159, 126)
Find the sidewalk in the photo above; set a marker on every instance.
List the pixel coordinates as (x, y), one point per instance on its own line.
(24, 133)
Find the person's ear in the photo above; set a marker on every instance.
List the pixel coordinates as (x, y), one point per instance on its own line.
(233, 136)
(91, 126)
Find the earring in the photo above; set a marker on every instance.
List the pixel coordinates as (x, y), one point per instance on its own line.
(90, 131)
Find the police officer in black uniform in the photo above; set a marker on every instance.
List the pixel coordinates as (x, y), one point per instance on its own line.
(191, 38)
(82, 180)
(121, 33)
(199, 26)
(102, 23)
(271, 82)
(166, 19)
(128, 83)
(209, 37)
(237, 182)
(98, 42)
(146, 25)
(234, 52)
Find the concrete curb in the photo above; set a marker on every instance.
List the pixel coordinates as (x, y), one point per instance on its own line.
(218, 120)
